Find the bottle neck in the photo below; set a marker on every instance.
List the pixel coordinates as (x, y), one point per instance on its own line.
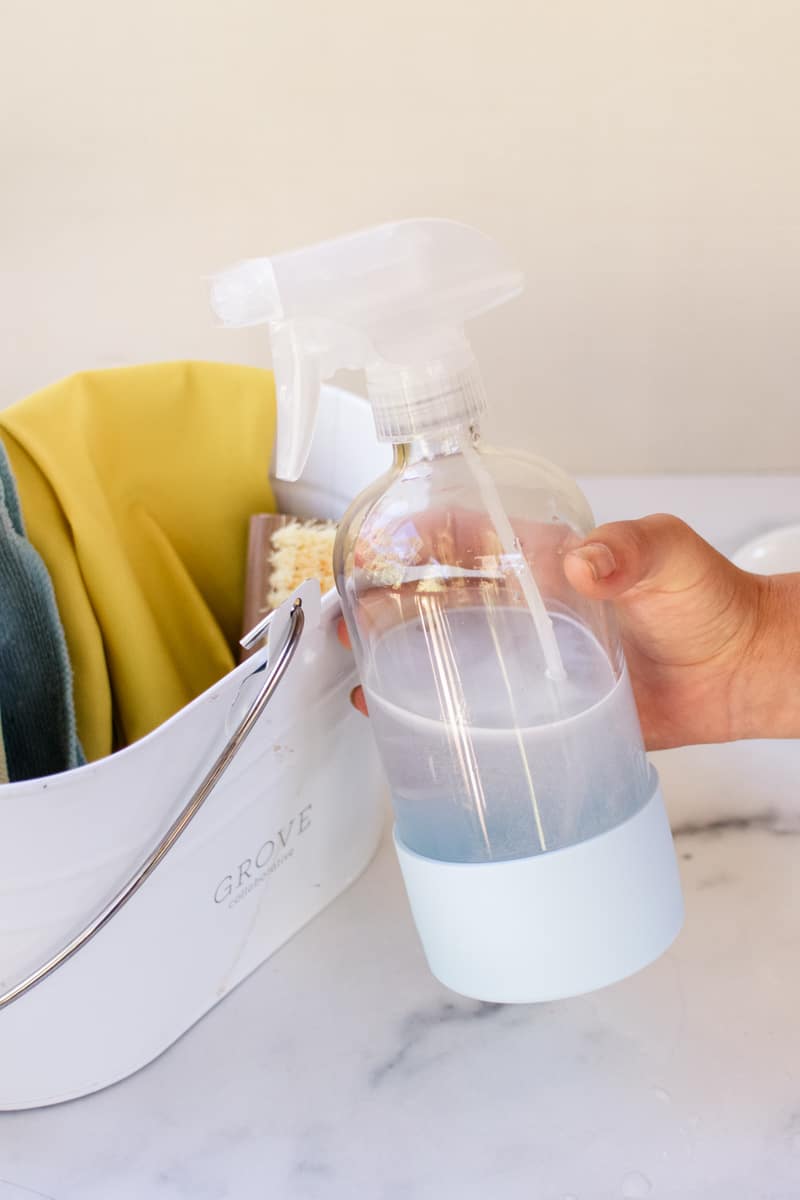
(437, 444)
(414, 402)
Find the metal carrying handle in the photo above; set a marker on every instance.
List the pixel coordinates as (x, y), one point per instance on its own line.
(181, 822)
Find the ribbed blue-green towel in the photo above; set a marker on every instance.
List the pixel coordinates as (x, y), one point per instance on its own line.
(37, 717)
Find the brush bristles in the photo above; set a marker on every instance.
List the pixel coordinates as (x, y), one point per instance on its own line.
(300, 551)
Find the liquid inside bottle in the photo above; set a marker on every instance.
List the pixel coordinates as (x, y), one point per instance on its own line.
(483, 766)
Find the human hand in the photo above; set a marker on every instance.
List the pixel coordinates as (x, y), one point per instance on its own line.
(713, 652)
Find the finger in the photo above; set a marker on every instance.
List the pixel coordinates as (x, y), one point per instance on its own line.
(658, 553)
(342, 634)
(357, 695)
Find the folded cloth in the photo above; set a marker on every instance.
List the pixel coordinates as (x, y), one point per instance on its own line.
(137, 485)
(37, 717)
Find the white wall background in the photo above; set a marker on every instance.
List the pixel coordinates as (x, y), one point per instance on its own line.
(639, 157)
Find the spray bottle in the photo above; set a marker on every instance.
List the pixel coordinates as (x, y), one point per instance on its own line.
(529, 825)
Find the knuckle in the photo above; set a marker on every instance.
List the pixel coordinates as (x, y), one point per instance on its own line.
(666, 525)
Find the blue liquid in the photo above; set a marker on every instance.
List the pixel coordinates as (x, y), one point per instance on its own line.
(487, 758)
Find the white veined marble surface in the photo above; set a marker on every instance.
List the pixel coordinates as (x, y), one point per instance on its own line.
(342, 1071)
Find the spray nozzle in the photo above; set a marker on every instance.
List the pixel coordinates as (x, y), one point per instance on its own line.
(391, 301)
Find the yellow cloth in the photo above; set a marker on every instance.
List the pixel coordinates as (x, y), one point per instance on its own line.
(136, 487)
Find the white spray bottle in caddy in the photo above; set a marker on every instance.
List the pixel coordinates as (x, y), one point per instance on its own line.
(529, 825)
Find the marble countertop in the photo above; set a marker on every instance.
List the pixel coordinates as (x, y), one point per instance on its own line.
(342, 1071)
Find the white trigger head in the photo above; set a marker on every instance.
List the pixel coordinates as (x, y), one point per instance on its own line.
(391, 301)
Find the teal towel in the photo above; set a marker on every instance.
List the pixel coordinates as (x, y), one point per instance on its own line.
(37, 717)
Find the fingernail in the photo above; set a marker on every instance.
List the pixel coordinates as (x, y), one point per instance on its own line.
(599, 559)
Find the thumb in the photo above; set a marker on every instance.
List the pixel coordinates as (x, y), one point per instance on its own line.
(658, 553)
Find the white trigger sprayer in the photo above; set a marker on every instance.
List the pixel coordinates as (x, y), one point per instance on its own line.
(529, 825)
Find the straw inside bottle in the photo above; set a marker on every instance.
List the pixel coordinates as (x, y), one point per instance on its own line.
(554, 665)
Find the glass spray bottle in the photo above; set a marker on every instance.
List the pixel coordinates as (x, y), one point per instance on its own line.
(529, 825)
